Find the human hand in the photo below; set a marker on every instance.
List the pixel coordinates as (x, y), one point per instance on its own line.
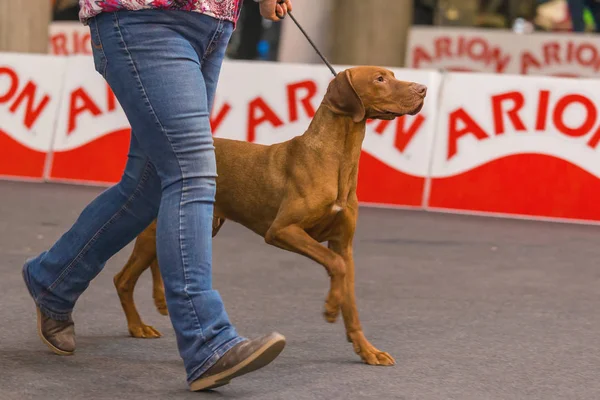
(275, 10)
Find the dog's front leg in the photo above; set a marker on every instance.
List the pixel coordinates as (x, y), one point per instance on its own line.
(295, 239)
(342, 245)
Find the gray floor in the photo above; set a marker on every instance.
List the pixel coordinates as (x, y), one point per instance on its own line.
(471, 308)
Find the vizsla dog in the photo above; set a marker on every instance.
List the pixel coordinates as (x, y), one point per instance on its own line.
(297, 194)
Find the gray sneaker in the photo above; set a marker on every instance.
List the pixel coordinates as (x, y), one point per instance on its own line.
(243, 358)
(59, 336)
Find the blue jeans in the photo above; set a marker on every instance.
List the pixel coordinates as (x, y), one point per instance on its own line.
(163, 67)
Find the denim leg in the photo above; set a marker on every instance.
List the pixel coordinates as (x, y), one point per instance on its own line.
(57, 277)
(153, 64)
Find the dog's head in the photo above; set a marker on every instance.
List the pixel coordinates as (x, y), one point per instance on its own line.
(373, 92)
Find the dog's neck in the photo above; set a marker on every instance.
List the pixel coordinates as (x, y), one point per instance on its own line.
(345, 142)
(341, 146)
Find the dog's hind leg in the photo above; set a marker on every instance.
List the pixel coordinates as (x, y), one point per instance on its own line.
(158, 289)
(144, 254)
(342, 245)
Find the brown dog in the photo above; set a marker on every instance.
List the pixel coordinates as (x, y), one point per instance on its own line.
(297, 194)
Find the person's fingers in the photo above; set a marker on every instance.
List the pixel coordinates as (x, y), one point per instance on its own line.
(288, 4)
(281, 10)
(275, 10)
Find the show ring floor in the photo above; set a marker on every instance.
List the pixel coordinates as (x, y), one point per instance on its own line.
(470, 307)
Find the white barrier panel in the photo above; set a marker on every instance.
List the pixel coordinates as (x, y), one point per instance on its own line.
(566, 55)
(69, 38)
(30, 87)
(518, 145)
(258, 102)
(487, 50)
(278, 103)
(461, 49)
(92, 132)
(501, 144)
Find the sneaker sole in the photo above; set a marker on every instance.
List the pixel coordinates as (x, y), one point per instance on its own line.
(54, 349)
(259, 359)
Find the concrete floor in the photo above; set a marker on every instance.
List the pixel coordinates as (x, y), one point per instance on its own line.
(471, 308)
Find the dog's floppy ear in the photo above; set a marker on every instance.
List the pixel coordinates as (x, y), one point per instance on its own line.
(341, 97)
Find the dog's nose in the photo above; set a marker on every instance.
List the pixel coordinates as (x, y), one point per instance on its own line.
(419, 89)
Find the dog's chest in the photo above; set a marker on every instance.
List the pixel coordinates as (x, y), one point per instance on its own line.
(332, 214)
(322, 227)
(336, 208)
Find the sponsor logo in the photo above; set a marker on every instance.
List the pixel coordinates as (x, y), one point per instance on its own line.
(301, 103)
(552, 113)
(563, 56)
(69, 39)
(462, 53)
(80, 102)
(22, 97)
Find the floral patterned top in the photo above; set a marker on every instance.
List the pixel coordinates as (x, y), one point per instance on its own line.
(222, 9)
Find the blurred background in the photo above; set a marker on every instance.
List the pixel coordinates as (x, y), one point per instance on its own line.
(344, 29)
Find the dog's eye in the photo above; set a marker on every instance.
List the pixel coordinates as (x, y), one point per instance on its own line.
(380, 79)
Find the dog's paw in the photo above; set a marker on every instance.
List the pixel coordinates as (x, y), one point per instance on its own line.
(376, 357)
(161, 304)
(331, 313)
(369, 353)
(143, 332)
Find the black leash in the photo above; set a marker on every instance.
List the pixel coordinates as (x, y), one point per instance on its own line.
(310, 41)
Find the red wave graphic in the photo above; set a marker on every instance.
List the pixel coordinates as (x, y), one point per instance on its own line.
(381, 184)
(100, 161)
(103, 161)
(18, 160)
(523, 184)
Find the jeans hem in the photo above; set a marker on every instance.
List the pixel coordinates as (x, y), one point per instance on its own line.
(43, 309)
(212, 360)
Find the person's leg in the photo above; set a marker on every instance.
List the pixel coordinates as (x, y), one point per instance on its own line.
(576, 8)
(148, 61)
(154, 64)
(57, 277)
(251, 31)
(594, 7)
